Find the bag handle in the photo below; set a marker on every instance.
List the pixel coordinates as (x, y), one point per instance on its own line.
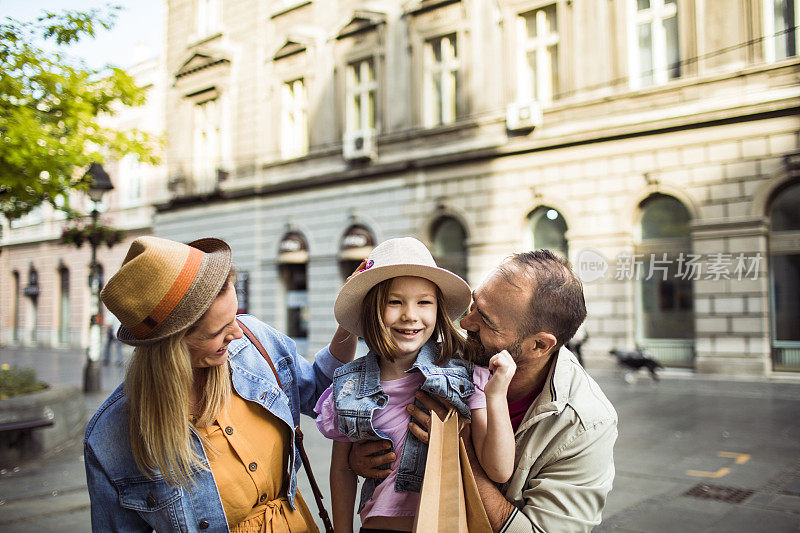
(298, 435)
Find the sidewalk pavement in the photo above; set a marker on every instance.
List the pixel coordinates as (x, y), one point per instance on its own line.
(694, 454)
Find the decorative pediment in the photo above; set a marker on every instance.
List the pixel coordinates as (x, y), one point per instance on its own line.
(362, 20)
(299, 39)
(200, 61)
(289, 48)
(417, 7)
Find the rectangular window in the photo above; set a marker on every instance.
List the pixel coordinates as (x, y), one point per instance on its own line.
(361, 94)
(780, 29)
(653, 41)
(294, 122)
(206, 145)
(34, 216)
(538, 60)
(441, 81)
(130, 181)
(208, 15)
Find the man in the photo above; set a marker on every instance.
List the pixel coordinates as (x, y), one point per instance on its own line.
(565, 427)
(112, 342)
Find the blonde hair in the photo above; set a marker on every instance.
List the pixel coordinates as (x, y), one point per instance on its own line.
(157, 385)
(379, 339)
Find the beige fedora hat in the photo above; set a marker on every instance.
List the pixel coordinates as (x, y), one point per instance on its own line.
(164, 286)
(405, 256)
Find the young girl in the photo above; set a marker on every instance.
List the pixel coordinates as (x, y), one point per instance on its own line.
(403, 306)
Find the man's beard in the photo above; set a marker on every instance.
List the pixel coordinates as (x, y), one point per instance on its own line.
(478, 355)
(481, 356)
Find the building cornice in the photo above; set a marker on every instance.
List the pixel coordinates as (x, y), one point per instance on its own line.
(458, 157)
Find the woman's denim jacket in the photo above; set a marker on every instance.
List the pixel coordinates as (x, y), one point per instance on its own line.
(358, 394)
(124, 499)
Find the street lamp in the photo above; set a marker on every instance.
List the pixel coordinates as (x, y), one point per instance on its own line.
(100, 183)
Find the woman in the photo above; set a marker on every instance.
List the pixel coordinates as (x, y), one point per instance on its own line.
(199, 436)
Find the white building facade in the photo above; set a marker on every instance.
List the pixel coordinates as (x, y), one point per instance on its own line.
(44, 284)
(655, 143)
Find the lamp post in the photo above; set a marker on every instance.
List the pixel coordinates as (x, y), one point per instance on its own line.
(100, 183)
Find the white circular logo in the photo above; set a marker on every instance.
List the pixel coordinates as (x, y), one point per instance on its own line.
(590, 266)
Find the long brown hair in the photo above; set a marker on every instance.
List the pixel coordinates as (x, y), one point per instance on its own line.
(157, 386)
(379, 339)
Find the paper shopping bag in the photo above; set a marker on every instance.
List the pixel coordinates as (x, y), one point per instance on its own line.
(449, 500)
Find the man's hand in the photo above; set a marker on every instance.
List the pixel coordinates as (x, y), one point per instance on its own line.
(365, 464)
(466, 436)
(498, 509)
(435, 405)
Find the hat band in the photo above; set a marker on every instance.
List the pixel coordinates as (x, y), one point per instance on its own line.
(173, 296)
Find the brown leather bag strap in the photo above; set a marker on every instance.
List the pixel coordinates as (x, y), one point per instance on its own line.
(298, 435)
(260, 347)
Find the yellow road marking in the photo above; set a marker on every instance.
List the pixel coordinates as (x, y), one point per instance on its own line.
(702, 473)
(741, 458)
(738, 458)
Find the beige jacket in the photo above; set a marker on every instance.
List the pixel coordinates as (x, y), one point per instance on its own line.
(564, 454)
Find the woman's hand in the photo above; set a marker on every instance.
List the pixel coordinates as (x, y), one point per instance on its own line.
(503, 368)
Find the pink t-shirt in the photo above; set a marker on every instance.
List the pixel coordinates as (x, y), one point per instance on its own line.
(393, 421)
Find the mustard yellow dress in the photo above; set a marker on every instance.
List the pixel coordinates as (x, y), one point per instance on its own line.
(248, 449)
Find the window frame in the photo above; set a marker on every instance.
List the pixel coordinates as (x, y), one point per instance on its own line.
(532, 220)
(449, 73)
(424, 25)
(360, 91)
(659, 52)
(532, 88)
(208, 22)
(206, 114)
(434, 232)
(768, 32)
(294, 140)
(645, 248)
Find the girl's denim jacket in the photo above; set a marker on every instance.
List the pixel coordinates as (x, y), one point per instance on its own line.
(357, 394)
(124, 499)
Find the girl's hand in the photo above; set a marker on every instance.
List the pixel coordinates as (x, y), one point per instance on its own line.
(503, 367)
(357, 271)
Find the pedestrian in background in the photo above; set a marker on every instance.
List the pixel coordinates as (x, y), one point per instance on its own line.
(112, 342)
(575, 344)
(200, 434)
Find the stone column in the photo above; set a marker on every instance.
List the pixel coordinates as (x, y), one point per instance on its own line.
(731, 311)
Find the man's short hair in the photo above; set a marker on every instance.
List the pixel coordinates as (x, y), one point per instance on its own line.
(556, 305)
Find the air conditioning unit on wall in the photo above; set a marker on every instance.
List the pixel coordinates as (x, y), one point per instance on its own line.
(360, 145)
(523, 116)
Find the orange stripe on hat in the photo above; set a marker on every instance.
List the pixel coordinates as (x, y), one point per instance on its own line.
(179, 287)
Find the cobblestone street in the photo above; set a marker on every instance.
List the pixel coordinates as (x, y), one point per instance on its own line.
(673, 436)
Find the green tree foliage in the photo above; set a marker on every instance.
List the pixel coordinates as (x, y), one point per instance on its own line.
(52, 109)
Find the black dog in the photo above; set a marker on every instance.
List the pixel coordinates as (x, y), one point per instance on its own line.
(635, 360)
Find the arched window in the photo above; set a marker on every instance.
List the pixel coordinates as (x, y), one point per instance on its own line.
(63, 306)
(547, 230)
(450, 245)
(293, 269)
(356, 244)
(784, 260)
(32, 292)
(664, 217)
(15, 307)
(665, 316)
